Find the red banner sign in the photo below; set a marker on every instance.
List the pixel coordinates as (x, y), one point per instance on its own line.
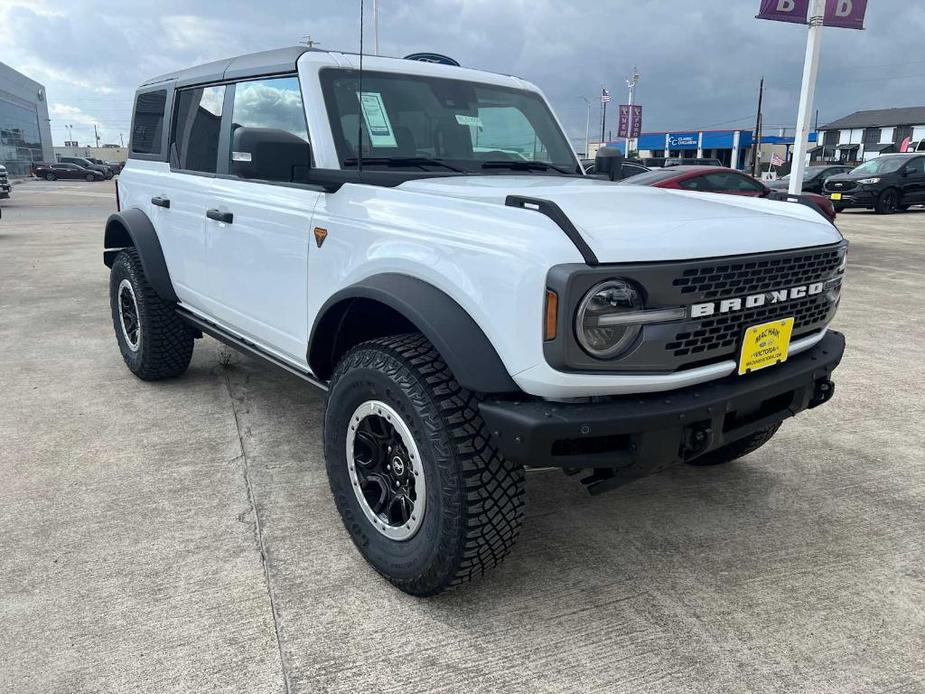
(636, 124)
(624, 122)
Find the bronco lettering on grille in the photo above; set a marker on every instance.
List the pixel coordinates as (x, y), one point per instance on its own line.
(776, 296)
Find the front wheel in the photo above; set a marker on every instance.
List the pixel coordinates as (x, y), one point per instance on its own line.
(50, 177)
(425, 497)
(90, 177)
(887, 202)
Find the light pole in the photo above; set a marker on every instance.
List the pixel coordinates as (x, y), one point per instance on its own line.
(631, 85)
(587, 129)
(804, 115)
(376, 27)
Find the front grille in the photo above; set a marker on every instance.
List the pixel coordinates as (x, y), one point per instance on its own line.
(724, 332)
(840, 186)
(730, 279)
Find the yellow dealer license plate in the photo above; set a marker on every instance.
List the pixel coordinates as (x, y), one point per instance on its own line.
(836, 196)
(765, 345)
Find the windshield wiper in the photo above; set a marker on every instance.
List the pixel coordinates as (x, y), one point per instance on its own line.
(399, 162)
(524, 166)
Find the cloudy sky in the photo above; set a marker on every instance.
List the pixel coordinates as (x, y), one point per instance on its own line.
(700, 60)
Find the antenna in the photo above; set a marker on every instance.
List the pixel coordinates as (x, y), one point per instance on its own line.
(360, 100)
(307, 40)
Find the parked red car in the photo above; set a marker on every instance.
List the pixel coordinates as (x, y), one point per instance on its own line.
(51, 172)
(714, 179)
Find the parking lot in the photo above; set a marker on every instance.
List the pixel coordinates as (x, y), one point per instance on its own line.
(180, 536)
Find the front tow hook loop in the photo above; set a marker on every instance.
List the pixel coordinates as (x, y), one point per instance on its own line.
(822, 393)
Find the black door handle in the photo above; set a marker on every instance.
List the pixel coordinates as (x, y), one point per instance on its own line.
(160, 201)
(220, 216)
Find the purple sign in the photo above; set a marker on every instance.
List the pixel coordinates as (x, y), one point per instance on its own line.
(848, 14)
(623, 126)
(784, 10)
(636, 127)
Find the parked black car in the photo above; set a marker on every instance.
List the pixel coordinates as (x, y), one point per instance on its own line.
(4, 183)
(813, 178)
(116, 166)
(52, 172)
(87, 164)
(631, 167)
(886, 184)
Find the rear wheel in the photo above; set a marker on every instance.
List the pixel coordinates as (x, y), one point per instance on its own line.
(736, 449)
(154, 341)
(50, 177)
(887, 202)
(425, 497)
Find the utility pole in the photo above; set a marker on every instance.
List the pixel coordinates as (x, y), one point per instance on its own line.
(756, 160)
(810, 71)
(631, 84)
(307, 40)
(587, 129)
(376, 27)
(96, 135)
(605, 97)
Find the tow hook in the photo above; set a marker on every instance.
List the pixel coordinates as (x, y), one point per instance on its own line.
(697, 439)
(822, 393)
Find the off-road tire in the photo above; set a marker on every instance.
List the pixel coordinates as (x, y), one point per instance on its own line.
(475, 498)
(736, 449)
(50, 177)
(165, 342)
(887, 201)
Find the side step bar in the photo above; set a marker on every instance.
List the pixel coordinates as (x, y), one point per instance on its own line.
(247, 347)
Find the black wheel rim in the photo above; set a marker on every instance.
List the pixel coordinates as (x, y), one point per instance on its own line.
(889, 201)
(128, 315)
(385, 470)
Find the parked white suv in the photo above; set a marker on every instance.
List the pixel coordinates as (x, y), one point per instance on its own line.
(419, 241)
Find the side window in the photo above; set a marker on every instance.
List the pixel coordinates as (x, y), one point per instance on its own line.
(916, 166)
(196, 127)
(268, 115)
(696, 183)
(148, 123)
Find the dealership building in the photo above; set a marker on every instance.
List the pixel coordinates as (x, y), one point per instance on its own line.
(867, 134)
(25, 132)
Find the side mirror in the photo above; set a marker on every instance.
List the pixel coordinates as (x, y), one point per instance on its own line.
(609, 161)
(269, 154)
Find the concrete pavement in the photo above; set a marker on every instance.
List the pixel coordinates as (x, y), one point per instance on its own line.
(180, 536)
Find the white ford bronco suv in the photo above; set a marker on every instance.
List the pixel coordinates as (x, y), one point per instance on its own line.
(419, 241)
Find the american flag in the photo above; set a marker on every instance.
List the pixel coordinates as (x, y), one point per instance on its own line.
(776, 160)
(605, 96)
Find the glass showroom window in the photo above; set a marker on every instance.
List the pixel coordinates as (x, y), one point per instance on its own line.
(20, 141)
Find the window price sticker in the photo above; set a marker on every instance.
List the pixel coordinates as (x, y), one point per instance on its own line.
(377, 120)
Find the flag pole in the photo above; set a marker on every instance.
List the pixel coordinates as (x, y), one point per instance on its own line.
(807, 95)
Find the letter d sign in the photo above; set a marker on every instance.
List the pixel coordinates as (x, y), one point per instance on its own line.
(848, 14)
(786, 6)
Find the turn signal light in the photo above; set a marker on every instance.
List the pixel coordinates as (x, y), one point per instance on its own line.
(552, 314)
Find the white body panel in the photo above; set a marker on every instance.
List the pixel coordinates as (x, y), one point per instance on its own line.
(264, 277)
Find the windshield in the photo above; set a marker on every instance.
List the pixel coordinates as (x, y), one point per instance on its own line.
(443, 124)
(880, 165)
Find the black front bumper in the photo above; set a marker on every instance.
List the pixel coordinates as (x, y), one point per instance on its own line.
(641, 434)
(859, 197)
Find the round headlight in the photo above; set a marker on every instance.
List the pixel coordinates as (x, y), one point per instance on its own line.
(597, 336)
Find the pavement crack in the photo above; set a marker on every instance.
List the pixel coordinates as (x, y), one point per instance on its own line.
(258, 529)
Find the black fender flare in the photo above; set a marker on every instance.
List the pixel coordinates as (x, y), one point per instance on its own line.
(450, 329)
(132, 228)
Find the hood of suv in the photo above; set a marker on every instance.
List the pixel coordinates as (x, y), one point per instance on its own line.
(627, 223)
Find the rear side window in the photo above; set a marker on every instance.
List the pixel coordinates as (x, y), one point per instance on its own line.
(148, 123)
(196, 128)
